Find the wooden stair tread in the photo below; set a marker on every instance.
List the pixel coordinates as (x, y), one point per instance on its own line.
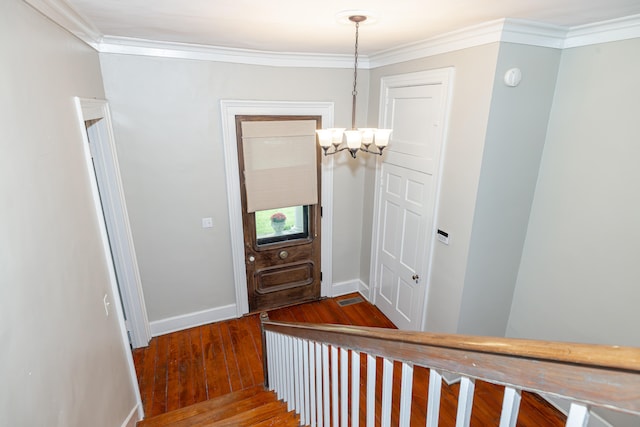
(252, 417)
(290, 419)
(212, 409)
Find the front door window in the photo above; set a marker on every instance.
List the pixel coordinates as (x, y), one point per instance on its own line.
(279, 225)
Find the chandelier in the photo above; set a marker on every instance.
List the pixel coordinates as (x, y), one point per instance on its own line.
(356, 139)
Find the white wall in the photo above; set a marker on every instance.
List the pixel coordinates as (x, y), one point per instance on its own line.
(579, 278)
(62, 361)
(169, 139)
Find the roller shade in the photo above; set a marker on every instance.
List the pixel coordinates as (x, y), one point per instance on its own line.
(279, 163)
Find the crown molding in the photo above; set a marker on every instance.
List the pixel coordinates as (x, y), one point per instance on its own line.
(500, 30)
(63, 14)
(485, 33)
(533, 33)
(132, 46)
(624, 28)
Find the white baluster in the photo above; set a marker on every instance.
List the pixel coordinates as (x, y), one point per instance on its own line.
(465, 402)
(281, 381)
(510, 407)
(355, 388)
(433, 405)
(578, 415)
(406, 391)
(387, 385)
(300, 383)
(318, 347)
(291, 373)
(371, 390)
(305, 362)
(280, 375)
(325, 384)
(269, 353)
(334, 386)
(312, 382)
(295, 375)
(344, 387)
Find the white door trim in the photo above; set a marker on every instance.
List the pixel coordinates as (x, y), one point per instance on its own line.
(443, 76)
(90, 109)
(229, 110)
(112, 196)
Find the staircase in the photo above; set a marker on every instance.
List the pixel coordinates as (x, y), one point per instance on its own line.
(255, 407)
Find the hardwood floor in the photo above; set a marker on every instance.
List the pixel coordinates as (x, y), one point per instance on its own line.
(187, 367)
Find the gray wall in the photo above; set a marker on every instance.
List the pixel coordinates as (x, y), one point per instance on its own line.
(580, 262)
(579, 279)
(169, 139)
(510, 161)
(62, 361)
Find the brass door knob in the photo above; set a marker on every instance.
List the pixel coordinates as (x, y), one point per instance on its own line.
(283, 254)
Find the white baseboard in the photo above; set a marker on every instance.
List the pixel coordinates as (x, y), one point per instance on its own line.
(189, 320)
(131, 420)
(346, 287)
(363, 288)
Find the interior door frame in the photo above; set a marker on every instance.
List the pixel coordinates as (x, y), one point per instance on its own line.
(229, 109)
(443, 76)
(92, 109)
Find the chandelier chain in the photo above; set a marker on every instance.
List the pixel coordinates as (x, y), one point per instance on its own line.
(355, 80)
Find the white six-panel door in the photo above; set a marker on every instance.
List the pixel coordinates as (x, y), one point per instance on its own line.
(415, 106)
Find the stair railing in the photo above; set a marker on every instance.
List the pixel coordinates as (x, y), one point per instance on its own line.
(309, 366)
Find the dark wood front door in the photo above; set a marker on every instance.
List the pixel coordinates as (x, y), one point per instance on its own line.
(282, 258)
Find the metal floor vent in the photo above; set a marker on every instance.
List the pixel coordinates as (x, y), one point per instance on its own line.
(350, 301)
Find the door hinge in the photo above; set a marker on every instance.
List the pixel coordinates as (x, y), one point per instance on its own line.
(321, 211)
(321, 276)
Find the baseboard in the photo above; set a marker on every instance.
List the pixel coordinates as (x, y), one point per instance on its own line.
(131, 420)
(363, 288)
(347, 287)
(189, 320)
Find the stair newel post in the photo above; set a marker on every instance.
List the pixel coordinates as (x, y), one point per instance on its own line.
(264, 317)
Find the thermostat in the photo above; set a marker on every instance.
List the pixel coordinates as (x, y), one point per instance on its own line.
(443, 236)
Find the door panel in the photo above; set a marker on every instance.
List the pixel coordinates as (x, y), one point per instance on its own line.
(282, 266)
(404, 224)
(416, 120)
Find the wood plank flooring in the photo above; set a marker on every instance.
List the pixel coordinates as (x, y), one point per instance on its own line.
(187, 367)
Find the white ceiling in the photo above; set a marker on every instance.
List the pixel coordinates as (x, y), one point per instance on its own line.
(311, 26)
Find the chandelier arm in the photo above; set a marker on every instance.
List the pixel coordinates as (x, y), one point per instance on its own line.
(379, 152)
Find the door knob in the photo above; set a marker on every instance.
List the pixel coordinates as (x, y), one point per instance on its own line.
(415, 277)
(283, 254)
(251, 258)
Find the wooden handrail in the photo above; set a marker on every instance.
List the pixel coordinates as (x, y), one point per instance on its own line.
(607, 376)
(616, 357)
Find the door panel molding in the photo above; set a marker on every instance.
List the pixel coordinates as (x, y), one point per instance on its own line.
(229, 110)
